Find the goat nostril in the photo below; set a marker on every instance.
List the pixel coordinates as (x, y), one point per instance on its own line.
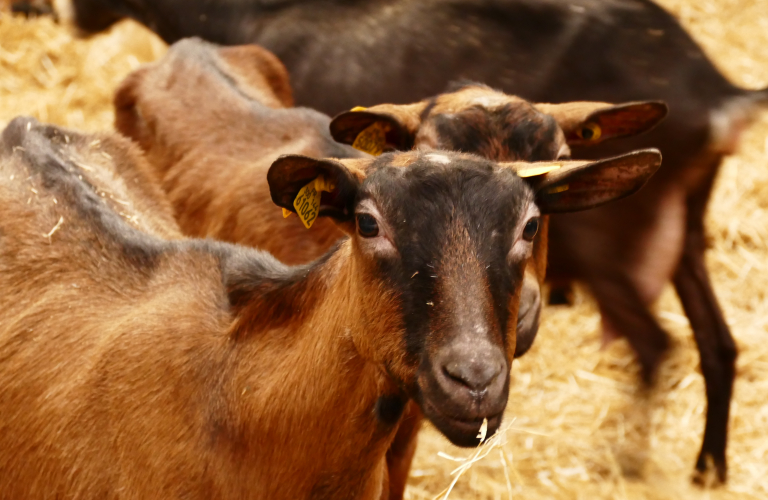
(475, 376)
(453, 374)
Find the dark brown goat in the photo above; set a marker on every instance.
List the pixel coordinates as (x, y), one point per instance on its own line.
(139, 365)
(213, 162)
(342, 54)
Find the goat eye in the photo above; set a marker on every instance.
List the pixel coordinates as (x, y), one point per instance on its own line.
(367, 226)
(531, 228)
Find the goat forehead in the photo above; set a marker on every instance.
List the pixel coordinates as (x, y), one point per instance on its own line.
(514, 131)
(509, 116)
(426, 202)
(476, 95)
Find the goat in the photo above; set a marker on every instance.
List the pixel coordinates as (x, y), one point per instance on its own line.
(342, 54)
(213, 163)
(139, 364)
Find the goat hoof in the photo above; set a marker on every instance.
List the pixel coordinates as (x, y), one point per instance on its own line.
(710, 471)
(650, 359)
(649, 368)
(648, 373)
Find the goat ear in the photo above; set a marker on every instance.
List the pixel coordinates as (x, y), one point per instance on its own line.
(590, 123)
(337, 189)
(382, 128)
(570, 186)
(129, 119)
(258, 73)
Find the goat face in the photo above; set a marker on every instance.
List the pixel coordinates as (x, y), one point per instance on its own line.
(448, 237)
(473, 118)
(439, 246)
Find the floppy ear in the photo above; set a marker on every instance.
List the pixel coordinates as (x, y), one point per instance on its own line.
(290, 174)
(570, 186)
(589, 123)
(381, 128)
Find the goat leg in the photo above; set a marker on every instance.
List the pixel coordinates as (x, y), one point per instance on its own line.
(717, 349)
(401, 451)
(622, 307)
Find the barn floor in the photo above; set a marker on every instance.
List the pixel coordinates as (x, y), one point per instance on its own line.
(578, 425)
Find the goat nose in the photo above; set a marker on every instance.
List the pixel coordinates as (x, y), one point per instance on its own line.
(475, 375)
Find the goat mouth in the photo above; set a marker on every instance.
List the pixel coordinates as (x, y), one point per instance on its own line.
(460, 431)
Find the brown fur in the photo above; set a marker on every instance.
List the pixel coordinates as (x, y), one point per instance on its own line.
(128, 378)
(259, 74)
(136, 364)
(215, 172)
(139, 365)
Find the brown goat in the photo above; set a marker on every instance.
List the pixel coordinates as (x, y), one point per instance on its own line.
(211, 123)
(135, 364)
(477, 119)
(213, 162)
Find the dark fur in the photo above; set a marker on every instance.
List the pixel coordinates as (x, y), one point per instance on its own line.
(389, 409)
(505, 132)
(426, 237)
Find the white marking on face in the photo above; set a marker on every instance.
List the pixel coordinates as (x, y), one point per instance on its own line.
(442, 159)
(489, 101)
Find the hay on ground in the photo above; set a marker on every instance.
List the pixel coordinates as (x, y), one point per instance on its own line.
(578, 426)
(47, 72)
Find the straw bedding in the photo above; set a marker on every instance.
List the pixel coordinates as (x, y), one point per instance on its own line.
(578, 425)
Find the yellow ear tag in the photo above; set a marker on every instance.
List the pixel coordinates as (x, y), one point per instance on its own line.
(558, 189)
(590, 132)
(538, 170)
(372, 139)
(358, 108)
(286, 213)
(307, 202)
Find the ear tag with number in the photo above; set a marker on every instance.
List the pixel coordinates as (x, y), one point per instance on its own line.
(372, 139)
(307, 202)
